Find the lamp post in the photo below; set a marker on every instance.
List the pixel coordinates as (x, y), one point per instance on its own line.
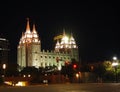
(4, 67)
(59, 71)
(115, 64)
(78, 76)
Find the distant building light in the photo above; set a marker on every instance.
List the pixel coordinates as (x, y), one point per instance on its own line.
(2, 39)
(4, 66)
(77, 75)
(45, 81)
(29, 75)
(24, 76)
(59, 68)
(3, 49)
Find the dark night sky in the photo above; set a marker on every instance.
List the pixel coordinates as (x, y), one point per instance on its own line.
(95, 25)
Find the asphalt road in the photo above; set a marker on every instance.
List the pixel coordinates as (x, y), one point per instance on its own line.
(85, 87)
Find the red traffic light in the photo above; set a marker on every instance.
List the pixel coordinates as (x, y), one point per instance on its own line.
(74, 66)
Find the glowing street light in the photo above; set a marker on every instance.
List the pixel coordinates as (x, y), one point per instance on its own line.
(114, 58)
(4, 67)
(115, 64)
(59, 71)
(78, 76)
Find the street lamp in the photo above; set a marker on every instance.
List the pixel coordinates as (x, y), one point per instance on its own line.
(78, 76)
(59, 71)
(115, 64)
(4, 67)
(114, 58)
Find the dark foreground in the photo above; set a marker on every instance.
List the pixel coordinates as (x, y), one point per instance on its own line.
(85, 87)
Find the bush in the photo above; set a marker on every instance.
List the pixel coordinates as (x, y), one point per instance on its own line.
(1, 80)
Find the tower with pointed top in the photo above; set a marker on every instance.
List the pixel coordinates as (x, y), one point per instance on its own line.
(67, 45)
(28, 48)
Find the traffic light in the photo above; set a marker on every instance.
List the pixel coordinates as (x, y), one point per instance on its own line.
(74, 66)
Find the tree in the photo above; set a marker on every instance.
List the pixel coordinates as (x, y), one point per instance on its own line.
(1, 80)
(99, 70)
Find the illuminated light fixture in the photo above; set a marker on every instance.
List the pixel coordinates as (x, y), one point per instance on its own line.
(114, 58)
(29, 75)
(77, 75)
(20, 83)
(24, 76)
(114, 63)
(2, 39)
(59, 68)
(4, 66)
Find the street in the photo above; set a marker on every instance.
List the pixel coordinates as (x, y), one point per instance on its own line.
(83, 87)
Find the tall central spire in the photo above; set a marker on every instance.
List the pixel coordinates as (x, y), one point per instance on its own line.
(28, 26)
(28, 32)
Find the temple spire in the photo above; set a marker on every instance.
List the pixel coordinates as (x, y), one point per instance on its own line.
(35, 37)
(34, 32)
(28, 26)
(64, 32)
(34, 29)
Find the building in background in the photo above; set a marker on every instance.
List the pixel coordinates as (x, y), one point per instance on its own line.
(4, 50)
(29, 51)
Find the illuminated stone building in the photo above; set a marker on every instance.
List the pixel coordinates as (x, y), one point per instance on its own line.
(29, 51)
